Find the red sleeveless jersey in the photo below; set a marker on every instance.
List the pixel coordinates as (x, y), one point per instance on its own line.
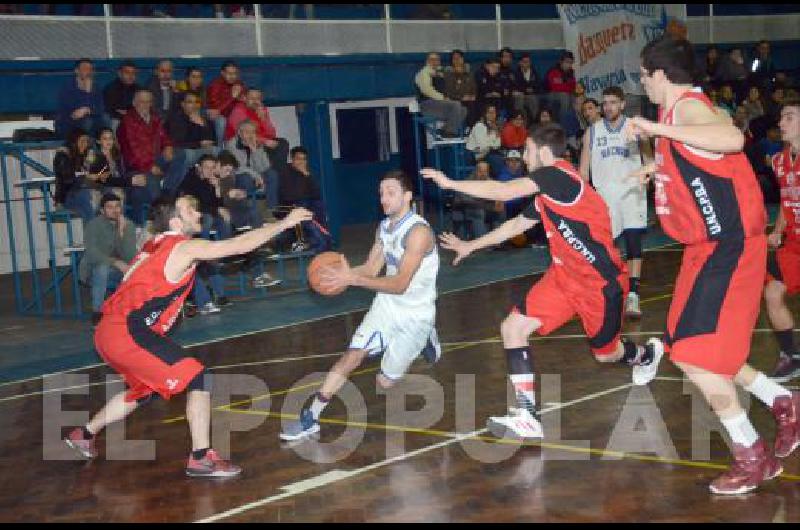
(703, 196)
(579, 232)
(145, 295)
(787, 170)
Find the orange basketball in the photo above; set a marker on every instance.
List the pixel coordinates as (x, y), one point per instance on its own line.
(319, 262)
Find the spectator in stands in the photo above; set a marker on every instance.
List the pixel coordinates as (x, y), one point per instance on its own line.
(761, 67)
(484, 141)
(103, 165)
(712, 66)
(514, 132)
(253, 160)
(561, 85)
(191, 132)
(507, 77)
(299, 188)
(73, 187)
(478, 213)
(222, 95)
(514, 169)
(773, 108)
(148, 154)
(80, 103)
(118, 94)
(490, 87)
(110, 243)
(753, 104)
(237, 191)
(192, 83)
(727, 99)
(254, 110)
(459, 85)
(544, 117)
(741, 119)
(527, 87)
(163, 87)
(590, 112)
(429, 84)
(733, 71)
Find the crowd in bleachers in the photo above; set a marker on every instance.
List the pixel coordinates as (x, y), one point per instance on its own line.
(493, 106)
(215, 142)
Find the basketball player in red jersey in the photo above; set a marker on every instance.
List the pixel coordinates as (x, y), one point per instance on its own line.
(587, 276)
(131, 334)
(708, 198)
(783, 266)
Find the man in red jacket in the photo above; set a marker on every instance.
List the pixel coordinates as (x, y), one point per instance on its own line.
(253, 109)
(561, 84)
(223, 94)
(152, 164)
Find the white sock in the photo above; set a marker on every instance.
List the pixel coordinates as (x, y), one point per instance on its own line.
(741, 430)
(524, 388)
(318, 406)
(766, 390)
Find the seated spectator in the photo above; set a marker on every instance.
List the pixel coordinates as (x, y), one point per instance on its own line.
(514, 169)
(253, 109)
(190, 131)
(478, 213)
(544, 117)
(742, 121)
(506, 75)
(163, 87)
(762, 69)
(772, 110)
(561, 85)
(298, 188)
(118, 94)
(110, 242)
(222, 95)
(753, 104)
(253, 160)
(527, 88)
(490, 86)
(710, 74)
(192, 83)
(80, 103)
(771, 144)
(459, 85)
(484, 141)
(73, 187)
(727, 99)
(104, 166)
(515, 132)
(148, 154)
(237, 192)
(590, 112)
(429, 84)
(733, 71)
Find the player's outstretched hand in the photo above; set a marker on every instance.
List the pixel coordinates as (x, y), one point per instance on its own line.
(775, 239)
(459, 246)
(638, 128)
(297, 216)
(436, 176)
(644, 174)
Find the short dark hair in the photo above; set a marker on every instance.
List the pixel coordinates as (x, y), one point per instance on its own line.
(792, 101)
(83, 60)
(456, 51)
(298, 149)
(400, 176)
(525, 55)
(550, 135)
(226, 158)
(107, 197)
(591, 100)
(566, 55)
(614, 91)
(492, 60)
(162, 211)
(228, 63)
(191, 69)
(205, 158)
(675, 57)
(505, 49)
(127, 64)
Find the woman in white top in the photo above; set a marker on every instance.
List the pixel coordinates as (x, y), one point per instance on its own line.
(484, 140)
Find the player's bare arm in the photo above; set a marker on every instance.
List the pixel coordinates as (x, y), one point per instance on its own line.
(484, 189)
(375, 261)
(189, 252)
(586, 155)
(505, 231)
(420, 242)
(696, 125)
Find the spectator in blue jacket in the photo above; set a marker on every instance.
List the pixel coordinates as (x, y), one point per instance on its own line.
(80, 103)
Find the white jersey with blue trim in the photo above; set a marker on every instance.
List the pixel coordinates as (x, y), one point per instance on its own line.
(613, 158)
(422, 289)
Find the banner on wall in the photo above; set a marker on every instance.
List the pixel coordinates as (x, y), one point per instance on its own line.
(606, 40)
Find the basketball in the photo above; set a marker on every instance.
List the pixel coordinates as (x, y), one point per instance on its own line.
(319, 262)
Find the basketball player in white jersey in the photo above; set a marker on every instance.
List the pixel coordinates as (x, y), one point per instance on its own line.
(609, 158)
(400, 322)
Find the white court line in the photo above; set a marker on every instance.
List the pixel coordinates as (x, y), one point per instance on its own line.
(337, 475)
(264, 330)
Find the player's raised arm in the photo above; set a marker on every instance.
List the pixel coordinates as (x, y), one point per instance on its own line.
(483, 189)
(504, 232)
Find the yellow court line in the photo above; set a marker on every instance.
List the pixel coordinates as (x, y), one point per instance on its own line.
(491, 439)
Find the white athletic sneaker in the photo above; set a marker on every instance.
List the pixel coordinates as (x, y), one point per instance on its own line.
(208, 308)
(519, 425)
(632, 306)
(644, 373)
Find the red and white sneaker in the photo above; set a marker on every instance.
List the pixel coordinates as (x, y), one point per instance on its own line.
(751, 466)
(787, 413)
(211, 465)
(86, 448)
(520, 424)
